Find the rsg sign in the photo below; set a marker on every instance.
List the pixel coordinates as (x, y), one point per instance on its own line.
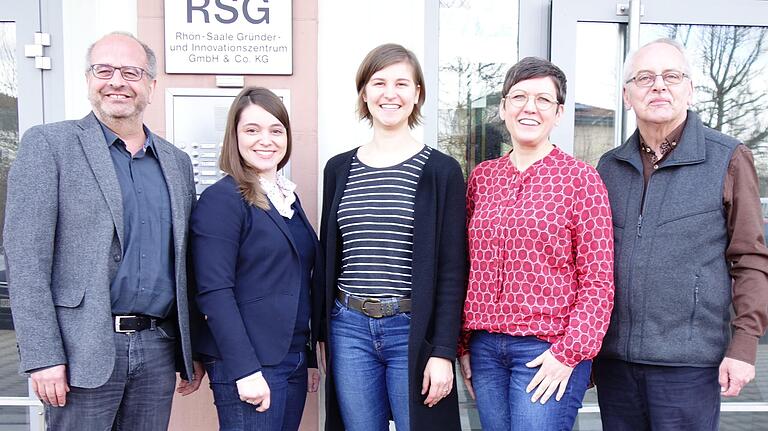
(229, 13)
(244, 37)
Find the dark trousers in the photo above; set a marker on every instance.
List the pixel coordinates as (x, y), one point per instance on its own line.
(287, 394)
(636, 397)
(137, 396)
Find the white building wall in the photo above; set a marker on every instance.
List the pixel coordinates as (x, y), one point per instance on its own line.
(84, 21)
(347, 31)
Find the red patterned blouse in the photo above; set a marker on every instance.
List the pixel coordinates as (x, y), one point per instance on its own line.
(540, 254)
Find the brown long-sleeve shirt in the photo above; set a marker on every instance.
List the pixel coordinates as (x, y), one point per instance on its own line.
(746, 251)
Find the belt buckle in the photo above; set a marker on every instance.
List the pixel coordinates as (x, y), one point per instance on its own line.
(368, 313)
(118, 321)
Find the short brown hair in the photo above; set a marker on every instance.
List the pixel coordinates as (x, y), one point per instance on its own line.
(532, 68)
(384, 56)
(230, 160)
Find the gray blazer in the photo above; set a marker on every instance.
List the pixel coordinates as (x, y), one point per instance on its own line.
(64, 240)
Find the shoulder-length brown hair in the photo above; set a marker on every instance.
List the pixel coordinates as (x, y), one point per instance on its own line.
(230, 160)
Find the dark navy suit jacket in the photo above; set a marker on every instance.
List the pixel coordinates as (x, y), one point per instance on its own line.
(248, 279)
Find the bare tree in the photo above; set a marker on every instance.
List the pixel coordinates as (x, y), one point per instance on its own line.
(7, 61)
(9, 120)
(732, 96)
(732, 61)
(467, 109)
(454, 3)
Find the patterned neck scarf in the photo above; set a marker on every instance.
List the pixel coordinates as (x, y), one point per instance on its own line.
(280, 194)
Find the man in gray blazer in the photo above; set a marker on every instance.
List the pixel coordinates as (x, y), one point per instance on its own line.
(96, 247)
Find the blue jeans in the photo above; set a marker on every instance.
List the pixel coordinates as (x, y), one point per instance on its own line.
(370, 368)
(287, 394)
(137, 395)
(644, 397)
(499, 377)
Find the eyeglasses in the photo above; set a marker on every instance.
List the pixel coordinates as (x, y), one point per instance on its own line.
(647, 79)
(129, 73)
(543, 102)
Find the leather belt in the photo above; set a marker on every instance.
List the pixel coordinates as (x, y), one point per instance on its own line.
(374, 307)
(127, 324)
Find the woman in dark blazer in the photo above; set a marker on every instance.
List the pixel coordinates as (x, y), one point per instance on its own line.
(256, 261)
(393, 233)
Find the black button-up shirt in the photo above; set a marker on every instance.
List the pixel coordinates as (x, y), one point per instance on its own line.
(144, 283)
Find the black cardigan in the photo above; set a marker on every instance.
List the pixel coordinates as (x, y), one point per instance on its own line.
(439, 271)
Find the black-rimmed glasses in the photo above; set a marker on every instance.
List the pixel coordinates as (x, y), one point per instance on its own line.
(647, 79)
(106, 71)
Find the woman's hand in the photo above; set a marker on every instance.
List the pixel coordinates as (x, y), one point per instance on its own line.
(254, 390)
(466, 374)
(321, 350)
(552, 376)
(438, 380)
(313, 379)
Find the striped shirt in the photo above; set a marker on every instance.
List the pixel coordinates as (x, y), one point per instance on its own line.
(375, 218)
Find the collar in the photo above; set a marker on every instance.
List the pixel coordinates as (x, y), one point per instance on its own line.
(691, 147)
(669, 144)
(280, 193)
(111, 137)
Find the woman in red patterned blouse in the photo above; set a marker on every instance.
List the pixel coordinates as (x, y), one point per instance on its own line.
(540, 288)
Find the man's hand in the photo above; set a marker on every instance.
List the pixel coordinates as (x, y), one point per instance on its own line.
(734, 375)
(254, 390)
(437, 381)
(50, 385)
(313, 379)
(187, 387)
(466, 374)
(552, 376)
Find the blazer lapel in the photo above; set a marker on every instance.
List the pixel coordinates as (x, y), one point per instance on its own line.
(278, 219)
(307, 224)
(176, 190)
(97, 153)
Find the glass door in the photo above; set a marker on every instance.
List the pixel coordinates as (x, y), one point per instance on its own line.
(19, 408)
(728, 47)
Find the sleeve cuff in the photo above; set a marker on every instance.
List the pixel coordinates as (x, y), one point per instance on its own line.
(311, 357)
(463, 345)
(559, 354)
(250, 377)
(34, 370)
(443, 352)
(743, 348)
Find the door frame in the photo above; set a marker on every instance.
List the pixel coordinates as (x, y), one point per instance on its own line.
(566, 14)
(38, 99)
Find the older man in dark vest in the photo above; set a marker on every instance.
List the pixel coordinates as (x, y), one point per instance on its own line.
(689, 246)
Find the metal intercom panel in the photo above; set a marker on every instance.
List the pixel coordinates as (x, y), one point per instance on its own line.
(195, 122)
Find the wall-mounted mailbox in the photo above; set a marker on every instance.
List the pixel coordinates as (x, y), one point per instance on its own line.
(195, 122)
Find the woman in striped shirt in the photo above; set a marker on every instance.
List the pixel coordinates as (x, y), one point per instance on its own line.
(392, 230)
